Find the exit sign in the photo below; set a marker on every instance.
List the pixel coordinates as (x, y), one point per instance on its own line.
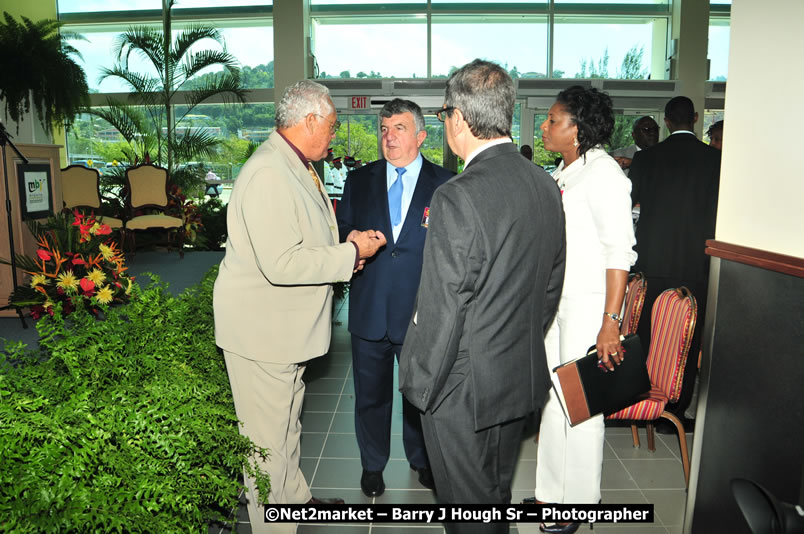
(360, 102)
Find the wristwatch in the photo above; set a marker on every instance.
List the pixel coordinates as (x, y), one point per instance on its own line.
(613, 316)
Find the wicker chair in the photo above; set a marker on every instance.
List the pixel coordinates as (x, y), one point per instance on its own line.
(672, 323)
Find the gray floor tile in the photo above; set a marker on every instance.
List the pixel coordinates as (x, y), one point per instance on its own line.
(668, 505)
(341, 446)
(338, 473)
(615, 476)
(343, 422)
(406, 529)
(399, 475)
(407, 496)
(656, 473)
(325, 385)
(320, 402)
(626, 496)
(524, 476)
(349, 496)
(316, 421)
(312, 444)
(340, 352)
(623, 446)
(308, 468)
(347, 403)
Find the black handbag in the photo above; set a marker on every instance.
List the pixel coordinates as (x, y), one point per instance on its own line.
(586, 388)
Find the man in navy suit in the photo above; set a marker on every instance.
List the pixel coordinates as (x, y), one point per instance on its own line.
(393, 195)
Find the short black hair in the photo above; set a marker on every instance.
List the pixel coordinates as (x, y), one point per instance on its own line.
(680, 111)
(592, 112)
(715, 127)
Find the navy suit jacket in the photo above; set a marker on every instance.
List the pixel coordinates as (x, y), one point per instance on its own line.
(381, 295)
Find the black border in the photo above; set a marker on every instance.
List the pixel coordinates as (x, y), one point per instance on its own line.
(23, 168)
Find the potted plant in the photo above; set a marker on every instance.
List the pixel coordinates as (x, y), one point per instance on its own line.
(38, 68)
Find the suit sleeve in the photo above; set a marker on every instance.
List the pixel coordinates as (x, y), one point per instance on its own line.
(449, 271)
(345, 214)
(273, 218)
(636, 173)
(556, 281)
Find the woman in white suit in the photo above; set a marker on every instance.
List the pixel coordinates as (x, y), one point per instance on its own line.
(600, 237)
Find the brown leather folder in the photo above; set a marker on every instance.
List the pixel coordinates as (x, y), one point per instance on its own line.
(585, 389)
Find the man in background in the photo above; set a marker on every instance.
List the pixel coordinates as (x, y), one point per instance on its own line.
(676, 184)
(273, 295)
(393, 195)
(645, 134)
(474, 359)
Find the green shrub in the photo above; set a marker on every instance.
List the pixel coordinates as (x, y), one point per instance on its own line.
(124, 424)
(213, 222)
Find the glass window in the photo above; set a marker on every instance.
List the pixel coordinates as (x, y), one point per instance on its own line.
(541, 156)
(95, 6)
(711, 116)
(357, 137)
(455, 43)
(335, 3)
(719, 30)
(97, 53)
(433, 146)
(623, 47)
(371, 47)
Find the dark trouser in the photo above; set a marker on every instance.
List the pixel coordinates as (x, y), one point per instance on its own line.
(698, 289)
(373, 367)
(468, 466)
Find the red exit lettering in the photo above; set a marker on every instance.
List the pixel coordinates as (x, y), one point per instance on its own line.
(359, 102)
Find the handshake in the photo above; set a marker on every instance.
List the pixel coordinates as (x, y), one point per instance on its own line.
(368, 243)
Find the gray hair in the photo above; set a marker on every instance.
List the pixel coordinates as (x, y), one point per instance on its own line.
(485, 94)
(299, 100)
(398, 106)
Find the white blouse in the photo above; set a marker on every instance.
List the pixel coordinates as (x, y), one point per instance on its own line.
(600, 232)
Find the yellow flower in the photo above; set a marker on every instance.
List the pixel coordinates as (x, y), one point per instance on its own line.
(48, 303)
(97, 276)
(107, 252)
(94, 228)
(67, 281)
(104, 295)
(128, 289)
(38, 280)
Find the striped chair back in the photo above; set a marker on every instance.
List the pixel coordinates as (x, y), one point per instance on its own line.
(634, 300)
(672, 323)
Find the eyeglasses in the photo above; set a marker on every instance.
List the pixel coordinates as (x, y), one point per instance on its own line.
(333, 126)
(442, 114)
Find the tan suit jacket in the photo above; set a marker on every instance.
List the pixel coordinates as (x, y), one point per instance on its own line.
(273, 295)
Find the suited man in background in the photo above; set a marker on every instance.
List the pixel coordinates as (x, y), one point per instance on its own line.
(676, 184)
(392, 195)
(273, 295)
(645, 134)
(474, 358)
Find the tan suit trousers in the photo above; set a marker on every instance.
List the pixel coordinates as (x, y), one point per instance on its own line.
(268, 401)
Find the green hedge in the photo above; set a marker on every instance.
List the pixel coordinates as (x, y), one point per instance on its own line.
(121, 424)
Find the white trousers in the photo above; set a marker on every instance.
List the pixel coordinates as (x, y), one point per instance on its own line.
(570, 459)
(268, 401)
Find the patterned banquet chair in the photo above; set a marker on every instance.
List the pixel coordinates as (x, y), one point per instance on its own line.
(672, 323)
(147, 190)
(81, 190)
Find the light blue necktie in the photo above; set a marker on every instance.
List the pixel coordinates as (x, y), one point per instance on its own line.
(395, 197)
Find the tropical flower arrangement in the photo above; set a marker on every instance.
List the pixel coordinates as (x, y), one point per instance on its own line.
(77, 264)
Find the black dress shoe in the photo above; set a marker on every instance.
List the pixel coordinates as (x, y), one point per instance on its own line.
(334, 500)
(372, 483)
(425, 477)
(559, 528)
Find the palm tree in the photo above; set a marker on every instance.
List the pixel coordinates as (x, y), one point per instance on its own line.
(141, 119)
(37, 65)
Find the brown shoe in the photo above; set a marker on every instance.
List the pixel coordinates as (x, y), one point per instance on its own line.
(334, 500)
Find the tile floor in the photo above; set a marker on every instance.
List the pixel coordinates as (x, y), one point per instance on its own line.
(331, 460)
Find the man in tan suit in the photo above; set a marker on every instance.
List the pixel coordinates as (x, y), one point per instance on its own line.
(273, 295)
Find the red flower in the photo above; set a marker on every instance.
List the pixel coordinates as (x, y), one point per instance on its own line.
(87, 285)
(103, 229)
(36, 312)
(78, 261)
(44, 254)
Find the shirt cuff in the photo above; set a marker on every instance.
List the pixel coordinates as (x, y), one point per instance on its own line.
(357, 255)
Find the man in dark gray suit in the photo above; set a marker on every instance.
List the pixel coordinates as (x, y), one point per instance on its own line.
(474, 360)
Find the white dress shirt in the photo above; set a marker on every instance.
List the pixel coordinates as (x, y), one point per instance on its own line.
(600, 234)
(409, 181)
